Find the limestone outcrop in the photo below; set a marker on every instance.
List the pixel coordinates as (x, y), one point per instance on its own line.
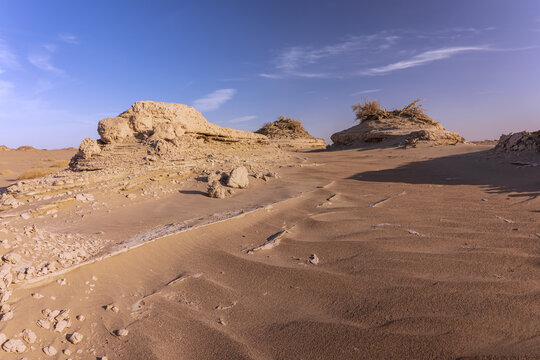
(286, 132)
(405, 127)
(156, 130)
(521, 142)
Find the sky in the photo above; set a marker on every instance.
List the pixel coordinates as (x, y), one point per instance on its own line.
(64, 65)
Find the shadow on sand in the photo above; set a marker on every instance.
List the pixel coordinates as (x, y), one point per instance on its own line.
(481, 168)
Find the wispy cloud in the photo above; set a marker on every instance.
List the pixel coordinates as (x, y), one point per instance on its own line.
(7, 57)
(243, 119)
(43, 62)
(422, 59)
(293, 61)
(69, 38)
(214, 100)
(364, 92)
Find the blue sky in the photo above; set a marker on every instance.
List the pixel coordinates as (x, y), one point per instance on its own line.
(64, 65)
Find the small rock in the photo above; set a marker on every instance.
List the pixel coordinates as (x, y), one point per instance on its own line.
(238, 178)
(7, 316)
(217, 191)
(50, 350)
(80, 317)
(61, 325)
(75, 338)
(314, 259)
(12, 258)
(45, 324)
(121, 332)
(25, 216)
(67, 352)
(37, 296)
(29, 336)
(14, 346)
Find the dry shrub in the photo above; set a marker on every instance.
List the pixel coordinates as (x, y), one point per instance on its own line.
(284, 127)
(6, 172)
(60, 164)
(36, 173)
(369, 110)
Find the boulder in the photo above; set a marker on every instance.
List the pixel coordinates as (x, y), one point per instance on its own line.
(238, 178)
(216, 190)
(88, 148)
(114, 129)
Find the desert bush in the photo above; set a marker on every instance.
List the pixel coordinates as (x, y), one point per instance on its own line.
(6, 172)
(367, 110)
(283, 127)
(36, 173)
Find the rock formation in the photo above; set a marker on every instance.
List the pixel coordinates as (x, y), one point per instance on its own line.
(287, 132)
(406, 127)
(521, 142)
(164, 130)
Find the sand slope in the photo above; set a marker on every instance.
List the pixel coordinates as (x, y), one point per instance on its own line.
(423, 253)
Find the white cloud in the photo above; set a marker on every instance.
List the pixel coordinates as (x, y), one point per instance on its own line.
(363, 92)
(7, 57)
(214, 100)
(243, 119)
(423, 58)
(69, 38)
(43, 62)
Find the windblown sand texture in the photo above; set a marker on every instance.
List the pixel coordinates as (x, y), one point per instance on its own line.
(415, 253)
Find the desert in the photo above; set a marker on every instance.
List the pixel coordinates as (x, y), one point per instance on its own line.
(269, 180)
(229, 245)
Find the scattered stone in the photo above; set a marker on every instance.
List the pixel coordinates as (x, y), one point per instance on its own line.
(67, 352)
(29, 336)
(61, 281)
(112, 308)
(238, 178)
(45, 324)
(519, 142)
(7, 316)
(75, 338)
(121, 332)
(12, 258)
(217, 191)
(50, 350)
(37, 296)
(80, 317)
(14, 346)
(314, 259)
(25, 216)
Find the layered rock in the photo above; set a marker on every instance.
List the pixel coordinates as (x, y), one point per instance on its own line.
(287, 132)
(147, 129)
(521, 142)
(406, 127)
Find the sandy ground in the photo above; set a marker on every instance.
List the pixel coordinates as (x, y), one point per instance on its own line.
(422, 253)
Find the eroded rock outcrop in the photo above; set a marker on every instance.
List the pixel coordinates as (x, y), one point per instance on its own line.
(521, 142)
(164, 130)
(287, 132)
(405, 127)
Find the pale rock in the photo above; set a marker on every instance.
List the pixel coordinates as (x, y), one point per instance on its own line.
(75, 338)
(14, 346)
(238, 178)
(61, 325)
(121, 332)
(7, 316)
(45, 324)
(50, 350)
(29, 336)
(216, 190)
(314, 259)
(114, 129)
(88, 148)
